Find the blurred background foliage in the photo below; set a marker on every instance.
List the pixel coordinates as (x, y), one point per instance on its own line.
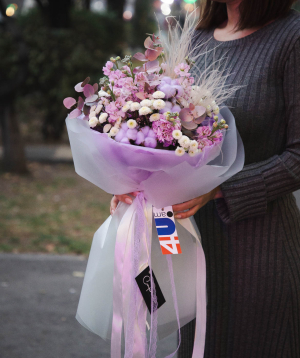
(60, 58)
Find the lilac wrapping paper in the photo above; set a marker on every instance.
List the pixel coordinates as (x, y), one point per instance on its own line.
(165, 179)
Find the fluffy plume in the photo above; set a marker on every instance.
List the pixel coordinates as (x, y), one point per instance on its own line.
(179, 47)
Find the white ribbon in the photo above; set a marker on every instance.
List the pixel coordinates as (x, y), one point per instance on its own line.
(129, 308)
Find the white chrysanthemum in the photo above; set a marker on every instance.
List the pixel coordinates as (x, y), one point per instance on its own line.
(131, 123)
(177, 134)
(129, 103)
(143, 111)
(193, 152)
(154, 117)
(99, 108)
(193, 145)
(103, 117)
(208, 108)
(158, 94)
(113, 131)
(146, 103)
(135, 106)
(159, 104)
(217, 110)
(102, 93)
(92, 114)
(93, 122)
(179, 151)
(184, 141)
(126, 107)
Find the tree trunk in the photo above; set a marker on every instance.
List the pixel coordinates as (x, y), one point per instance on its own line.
(13, 148)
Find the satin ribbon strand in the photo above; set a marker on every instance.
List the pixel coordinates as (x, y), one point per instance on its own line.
(120, 249)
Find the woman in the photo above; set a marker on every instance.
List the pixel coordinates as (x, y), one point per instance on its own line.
(250, 226)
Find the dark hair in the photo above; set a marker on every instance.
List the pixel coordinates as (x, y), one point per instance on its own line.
(253, 13)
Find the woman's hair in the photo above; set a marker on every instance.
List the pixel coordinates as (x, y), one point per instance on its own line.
(253, 13)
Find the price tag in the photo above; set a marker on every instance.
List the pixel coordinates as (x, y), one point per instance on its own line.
(166, 230)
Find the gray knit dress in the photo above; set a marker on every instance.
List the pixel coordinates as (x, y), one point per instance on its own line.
(251, 238)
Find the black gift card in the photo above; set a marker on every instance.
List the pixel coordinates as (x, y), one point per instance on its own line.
(144, 282)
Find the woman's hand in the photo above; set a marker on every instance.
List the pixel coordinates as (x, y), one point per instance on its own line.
(125, 198)
(195, 204)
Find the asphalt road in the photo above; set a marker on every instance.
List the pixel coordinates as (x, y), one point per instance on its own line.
(38, 301)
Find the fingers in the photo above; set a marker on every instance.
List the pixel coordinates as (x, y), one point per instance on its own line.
(186, 205)
(188, 213)
(124, 198)
(113, 204)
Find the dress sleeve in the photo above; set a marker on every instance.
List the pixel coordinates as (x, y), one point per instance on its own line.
(248, 192)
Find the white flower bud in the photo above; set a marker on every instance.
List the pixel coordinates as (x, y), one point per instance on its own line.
(144, 111)
(159, 104)
(179, 151)
(93, 122)
(103, 117)
(146, 103)
(184, 141)
(135, 106)
(131, 123)
(154, 117)
(193, 145)
(158, 94)
(177, 134)
(113, 131)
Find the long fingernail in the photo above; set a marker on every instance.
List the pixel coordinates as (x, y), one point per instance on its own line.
(128, 201)
(177, 216)
(112, 212)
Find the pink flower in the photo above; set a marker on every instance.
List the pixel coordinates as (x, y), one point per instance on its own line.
(182, 70)
(116, 76)
(204, 142)
(163, 130)
(217, 137)
(108, 68)
(203, 132)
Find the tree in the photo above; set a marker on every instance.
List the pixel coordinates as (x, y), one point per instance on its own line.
(13, 146)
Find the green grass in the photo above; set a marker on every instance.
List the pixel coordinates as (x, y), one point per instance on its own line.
(53, 210)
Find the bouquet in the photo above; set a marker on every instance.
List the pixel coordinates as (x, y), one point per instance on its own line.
(156, 127)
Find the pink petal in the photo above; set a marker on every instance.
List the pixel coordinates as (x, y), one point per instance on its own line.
(152, 54)
(92, 98)
(140, 95)
(185, 115)
(140, 56)
(96, 87)
(189, 125)
(75, 113)
(78, 87)
(88, 90)
(191, 107)
(151, 66)
(69, 102)
(148, 43)
(80, 103)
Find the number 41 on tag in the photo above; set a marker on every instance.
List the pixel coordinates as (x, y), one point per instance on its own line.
(166, 230)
